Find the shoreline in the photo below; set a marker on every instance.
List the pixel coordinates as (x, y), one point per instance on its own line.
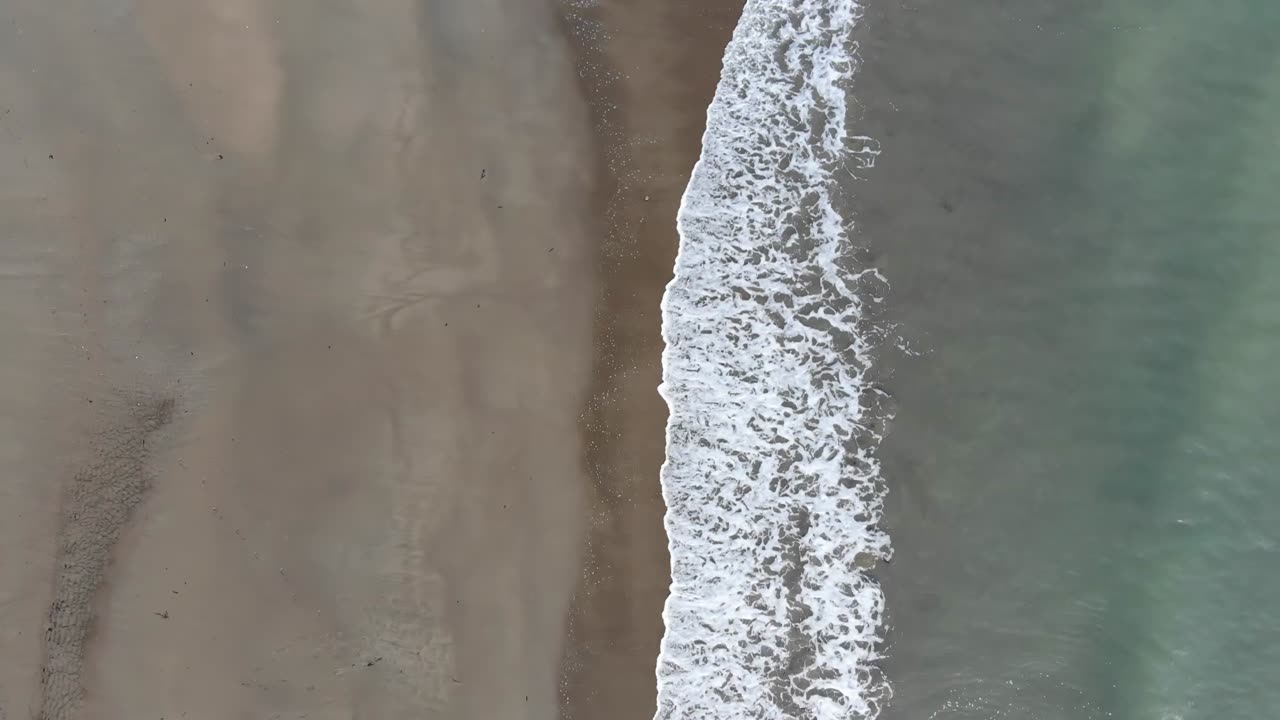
(648, 119)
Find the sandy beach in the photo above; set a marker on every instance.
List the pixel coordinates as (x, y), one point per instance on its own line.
(651, 81)
(332, 339)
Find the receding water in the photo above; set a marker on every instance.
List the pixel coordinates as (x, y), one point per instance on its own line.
(1076, 208)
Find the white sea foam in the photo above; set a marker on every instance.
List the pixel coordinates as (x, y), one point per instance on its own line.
(773, 492)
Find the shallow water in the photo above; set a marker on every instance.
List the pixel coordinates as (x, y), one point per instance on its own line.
(1074, 208)
(771, 491)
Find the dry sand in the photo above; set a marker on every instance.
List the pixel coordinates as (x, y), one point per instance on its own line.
(301, 306)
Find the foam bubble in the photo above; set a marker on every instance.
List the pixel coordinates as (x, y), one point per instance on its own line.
(772, 489)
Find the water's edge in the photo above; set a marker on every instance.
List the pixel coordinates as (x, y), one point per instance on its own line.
(773, 491)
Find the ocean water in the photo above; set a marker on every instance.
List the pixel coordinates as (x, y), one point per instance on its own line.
(1059, 279)
(1075, 209)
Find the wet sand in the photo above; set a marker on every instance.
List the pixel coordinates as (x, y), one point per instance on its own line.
(302, 307)
(650, 77)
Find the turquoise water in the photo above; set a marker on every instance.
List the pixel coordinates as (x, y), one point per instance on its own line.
(1077, 209)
